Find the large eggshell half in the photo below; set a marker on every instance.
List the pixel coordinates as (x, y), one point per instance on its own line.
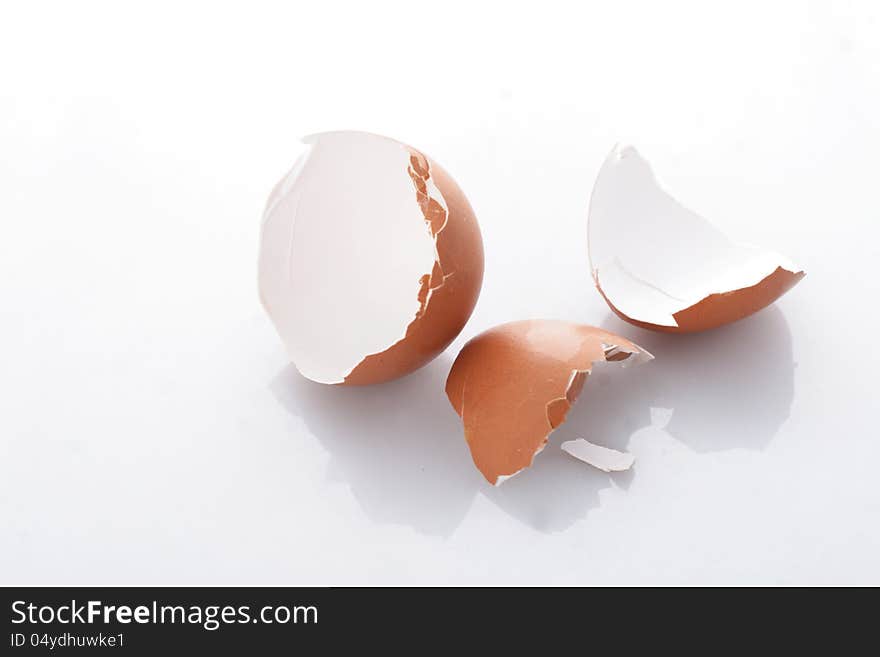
(371, 259)
(514, 384)
(661, 266)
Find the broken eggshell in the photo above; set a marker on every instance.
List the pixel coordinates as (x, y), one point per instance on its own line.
(661, 266)
(514, 384)
(603, 458)
(371, 259)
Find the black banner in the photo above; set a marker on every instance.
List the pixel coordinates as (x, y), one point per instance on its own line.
(151, 621)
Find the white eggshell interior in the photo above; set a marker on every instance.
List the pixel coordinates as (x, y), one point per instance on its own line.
(344, 244)
(651, 256)
(604, 458)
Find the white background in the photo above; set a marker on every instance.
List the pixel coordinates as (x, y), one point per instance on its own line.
(151, 430)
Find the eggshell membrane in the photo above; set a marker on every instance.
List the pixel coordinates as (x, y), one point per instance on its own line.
(718, 309)
(449, 293)
(514, 384)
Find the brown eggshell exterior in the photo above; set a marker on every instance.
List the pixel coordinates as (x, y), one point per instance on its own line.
(460, 255)
(719, 309)
(510, 386)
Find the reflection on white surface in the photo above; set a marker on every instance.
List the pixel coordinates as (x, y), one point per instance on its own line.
(401, 450)
(399, 445)
(728, 388)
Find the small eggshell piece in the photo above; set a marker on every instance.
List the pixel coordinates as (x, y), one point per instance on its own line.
(603, 458)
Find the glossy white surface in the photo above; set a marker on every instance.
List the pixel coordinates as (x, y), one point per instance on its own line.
(151, 430)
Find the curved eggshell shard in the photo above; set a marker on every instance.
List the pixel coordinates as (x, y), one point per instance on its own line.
(661, 266)
(449, 294)
(514, 384)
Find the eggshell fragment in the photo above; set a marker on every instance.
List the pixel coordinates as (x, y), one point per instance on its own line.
(514, 384)
(371, 259)
(603, 458)
(661, 266)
